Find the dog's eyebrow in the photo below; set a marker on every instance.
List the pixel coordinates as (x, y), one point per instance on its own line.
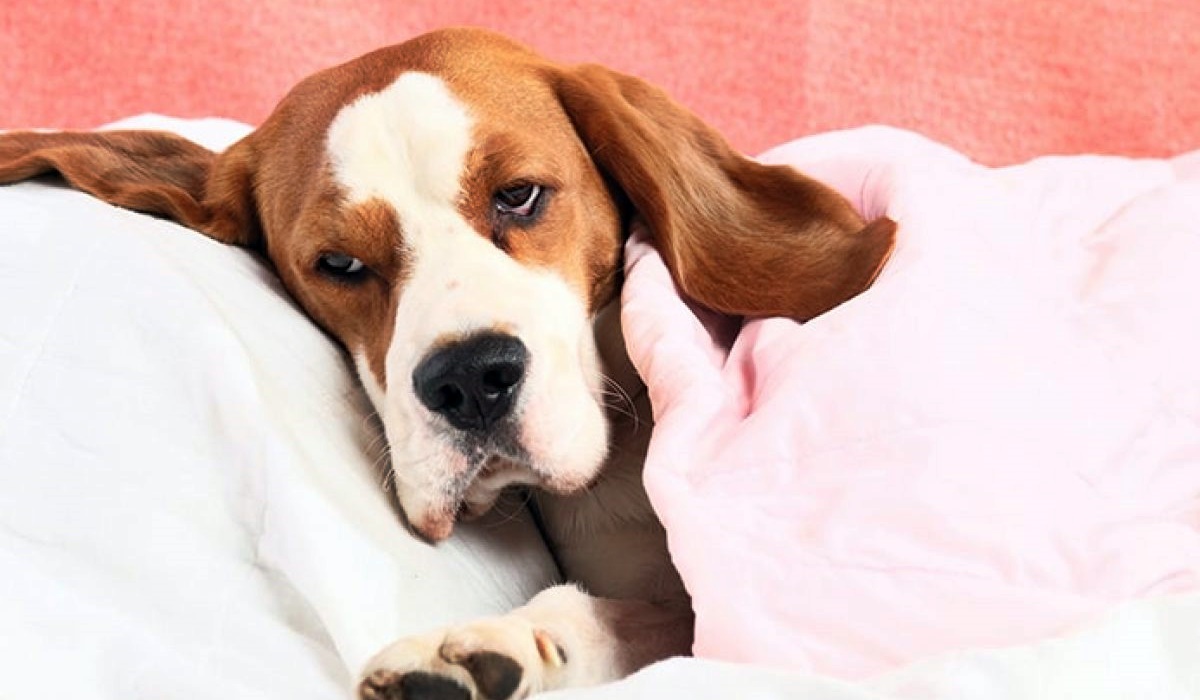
(370, 230)
(506, 157)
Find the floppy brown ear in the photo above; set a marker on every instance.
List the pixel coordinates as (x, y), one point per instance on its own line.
(738, 236)
(147, 171)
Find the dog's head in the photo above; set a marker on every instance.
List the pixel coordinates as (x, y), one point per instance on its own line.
(452, 210)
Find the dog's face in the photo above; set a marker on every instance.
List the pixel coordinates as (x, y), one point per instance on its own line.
(450, 209)
(456, 237)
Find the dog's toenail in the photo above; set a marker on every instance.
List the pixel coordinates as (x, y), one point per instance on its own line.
(549, 650)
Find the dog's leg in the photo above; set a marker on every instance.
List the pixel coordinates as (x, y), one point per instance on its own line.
(562, 638)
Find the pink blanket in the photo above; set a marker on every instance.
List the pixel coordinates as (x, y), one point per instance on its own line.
(996, 442)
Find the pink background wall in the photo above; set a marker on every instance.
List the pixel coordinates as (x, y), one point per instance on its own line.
(1000, 79)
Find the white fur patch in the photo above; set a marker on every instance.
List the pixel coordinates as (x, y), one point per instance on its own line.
(407, 145)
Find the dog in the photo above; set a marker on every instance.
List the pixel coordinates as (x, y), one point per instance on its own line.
(452, 210)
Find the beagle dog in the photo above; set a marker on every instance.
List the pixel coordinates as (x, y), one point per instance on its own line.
(452, 210)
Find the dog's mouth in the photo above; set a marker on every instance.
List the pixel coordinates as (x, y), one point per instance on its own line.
(496, 475)
(488, 466)
(495, 463)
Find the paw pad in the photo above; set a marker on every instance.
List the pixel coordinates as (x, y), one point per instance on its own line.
(414, 685)
(496, 675)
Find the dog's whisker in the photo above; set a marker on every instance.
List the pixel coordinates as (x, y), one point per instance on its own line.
(621, 410)
(387, 475)
(377, 444)
(517, 509)
(388, 479)
(624, 402)
(388, 483)
(616, 388)
(373, 416)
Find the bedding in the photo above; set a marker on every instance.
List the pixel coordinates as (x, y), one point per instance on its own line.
(1146, 649)
(996, 442)
(191, 505)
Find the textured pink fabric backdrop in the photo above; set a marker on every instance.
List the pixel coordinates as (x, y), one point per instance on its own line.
(1000, 79)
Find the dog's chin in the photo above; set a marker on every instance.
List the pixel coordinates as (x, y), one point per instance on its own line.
(433, 527)
(473, 496)
(435, 521)
(498, 474)
(464, 475)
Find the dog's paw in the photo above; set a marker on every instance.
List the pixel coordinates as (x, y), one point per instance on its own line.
(499, 658)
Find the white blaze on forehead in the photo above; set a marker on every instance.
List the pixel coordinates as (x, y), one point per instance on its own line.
(405, 144)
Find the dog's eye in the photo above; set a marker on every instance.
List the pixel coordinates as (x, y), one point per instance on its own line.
(518, 200)
(340, 266)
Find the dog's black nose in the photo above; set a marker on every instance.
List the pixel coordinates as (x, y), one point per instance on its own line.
(474, 382)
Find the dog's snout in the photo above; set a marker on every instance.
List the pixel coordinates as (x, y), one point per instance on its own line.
(474, 382)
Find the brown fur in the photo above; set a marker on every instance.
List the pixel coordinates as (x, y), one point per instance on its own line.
(739, 237)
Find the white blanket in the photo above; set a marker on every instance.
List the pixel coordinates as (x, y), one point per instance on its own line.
(1148, 650)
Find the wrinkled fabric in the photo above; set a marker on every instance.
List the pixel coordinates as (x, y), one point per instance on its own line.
(999, 440)
(1146, 649)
